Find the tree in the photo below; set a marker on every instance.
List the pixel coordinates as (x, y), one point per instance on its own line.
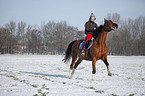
(34, 41)
(4, 40)
(11, 28)
(28, 34)
(21, 33)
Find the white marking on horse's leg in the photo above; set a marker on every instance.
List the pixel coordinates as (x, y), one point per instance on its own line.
(109, 73)
(70, 74)
(93, 76)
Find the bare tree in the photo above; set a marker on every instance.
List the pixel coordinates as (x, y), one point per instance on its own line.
(11, 28)
(27, 36)
(21, 33)
(4, 40)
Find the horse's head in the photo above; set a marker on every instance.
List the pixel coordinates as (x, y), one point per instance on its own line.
(109, 25)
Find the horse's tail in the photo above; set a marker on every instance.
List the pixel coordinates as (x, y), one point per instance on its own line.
(68, 52)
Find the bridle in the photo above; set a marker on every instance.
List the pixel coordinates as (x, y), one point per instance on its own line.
(108, 27)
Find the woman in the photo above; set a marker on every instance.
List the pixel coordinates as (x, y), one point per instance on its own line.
(90, 28)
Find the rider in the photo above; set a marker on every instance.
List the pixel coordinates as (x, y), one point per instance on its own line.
(90, 28)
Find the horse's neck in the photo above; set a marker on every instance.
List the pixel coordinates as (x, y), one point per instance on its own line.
(101, 38)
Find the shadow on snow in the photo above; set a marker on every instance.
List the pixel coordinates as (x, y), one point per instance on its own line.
(49, 75)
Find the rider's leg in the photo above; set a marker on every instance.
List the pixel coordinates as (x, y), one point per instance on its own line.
(88, 37)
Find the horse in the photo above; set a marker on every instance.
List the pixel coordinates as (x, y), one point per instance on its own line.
(96, 52)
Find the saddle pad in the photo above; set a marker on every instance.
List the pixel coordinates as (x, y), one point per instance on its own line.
(89, 46)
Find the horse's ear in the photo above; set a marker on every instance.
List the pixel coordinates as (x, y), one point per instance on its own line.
(105, 20)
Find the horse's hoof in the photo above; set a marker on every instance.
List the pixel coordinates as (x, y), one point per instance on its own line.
(69, 77)
(109, 74)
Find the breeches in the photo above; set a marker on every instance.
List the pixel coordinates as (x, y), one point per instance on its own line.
(88, 37)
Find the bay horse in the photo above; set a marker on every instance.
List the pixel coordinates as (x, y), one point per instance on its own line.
(97, 51)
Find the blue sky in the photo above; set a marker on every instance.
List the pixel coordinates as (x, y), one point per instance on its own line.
(75, 12)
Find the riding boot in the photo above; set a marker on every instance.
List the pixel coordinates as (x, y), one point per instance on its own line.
(83, 51)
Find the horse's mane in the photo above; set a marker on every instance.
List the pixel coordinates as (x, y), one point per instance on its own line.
(98, 31)
(100, 28)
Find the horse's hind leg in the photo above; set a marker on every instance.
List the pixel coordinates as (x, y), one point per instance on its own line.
(71, 66)
(76, 65)
(107, 65)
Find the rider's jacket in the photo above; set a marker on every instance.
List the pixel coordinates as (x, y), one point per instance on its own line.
(90, 27)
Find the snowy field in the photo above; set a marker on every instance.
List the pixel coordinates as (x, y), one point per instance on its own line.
(47, 75)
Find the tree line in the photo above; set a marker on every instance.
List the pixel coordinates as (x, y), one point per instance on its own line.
(54, 37)
(129, 39)
(50, 38)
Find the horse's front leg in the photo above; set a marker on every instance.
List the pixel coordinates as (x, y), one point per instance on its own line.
(108, 68)
(107, 65)
(93, 68)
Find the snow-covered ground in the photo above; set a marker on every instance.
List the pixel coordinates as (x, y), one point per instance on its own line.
(47, 75)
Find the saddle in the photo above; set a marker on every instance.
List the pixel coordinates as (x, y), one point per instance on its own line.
(88, 44)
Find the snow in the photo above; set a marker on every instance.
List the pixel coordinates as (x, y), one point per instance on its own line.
(47, 75)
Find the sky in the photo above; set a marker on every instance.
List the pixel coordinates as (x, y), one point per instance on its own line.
(75, 12)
